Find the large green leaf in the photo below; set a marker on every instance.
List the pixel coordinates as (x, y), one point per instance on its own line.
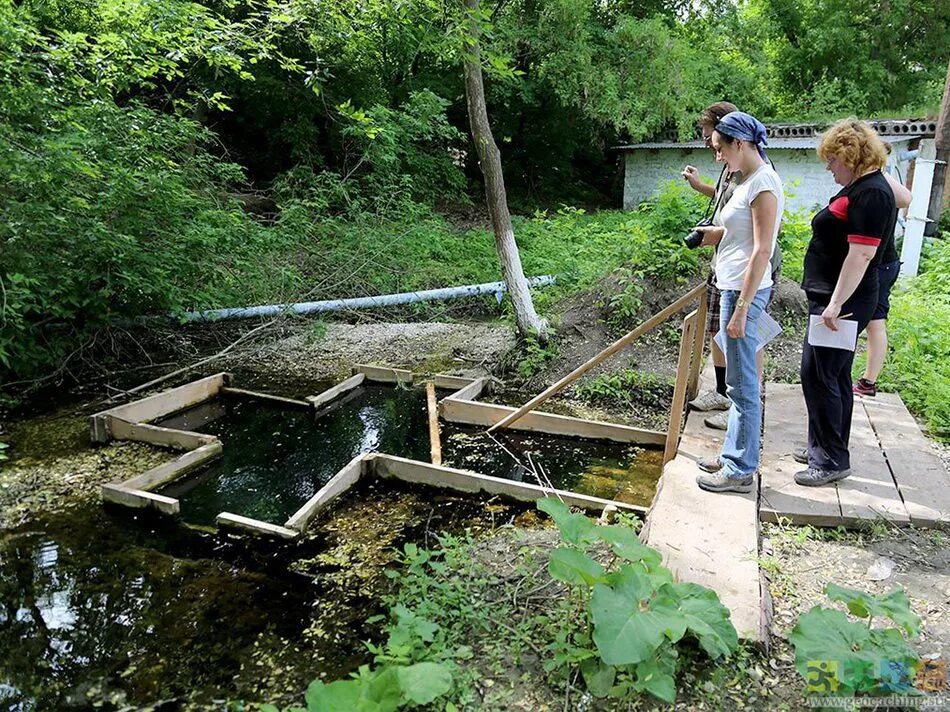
(423, 682)
(893, 605)
(626, 630)
(656, 675)
(598, 676)
(575, 528)
(824, 635)
(627, 545)
(701, 612)
(574, 567)
(371, 691)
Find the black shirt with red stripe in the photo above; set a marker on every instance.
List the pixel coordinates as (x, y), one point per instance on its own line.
(862, 213)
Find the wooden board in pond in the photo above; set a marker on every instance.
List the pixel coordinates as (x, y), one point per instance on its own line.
(275, 459)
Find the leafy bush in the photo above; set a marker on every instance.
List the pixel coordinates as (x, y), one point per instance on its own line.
(629, 388)
(628, 615)
(918, 362)
(842, 657)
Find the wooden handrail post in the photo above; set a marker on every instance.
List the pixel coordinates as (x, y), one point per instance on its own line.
(699, 345)
(620, 343)
(435, 440)
(690, 325)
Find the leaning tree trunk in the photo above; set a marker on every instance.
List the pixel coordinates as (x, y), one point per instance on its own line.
(935, 206)
(489, 158)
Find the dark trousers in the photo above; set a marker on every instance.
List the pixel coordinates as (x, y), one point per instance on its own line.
(826, 385)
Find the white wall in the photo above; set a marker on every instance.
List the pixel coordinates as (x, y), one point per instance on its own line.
(807, 183)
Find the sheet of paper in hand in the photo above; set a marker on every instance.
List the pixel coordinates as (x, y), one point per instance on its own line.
(768, 330)
(846, 337)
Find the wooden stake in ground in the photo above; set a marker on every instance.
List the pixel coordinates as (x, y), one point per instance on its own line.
(489, 159)
(620, 343)
(435, 440)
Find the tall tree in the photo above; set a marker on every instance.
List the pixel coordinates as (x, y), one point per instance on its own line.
(489, 159)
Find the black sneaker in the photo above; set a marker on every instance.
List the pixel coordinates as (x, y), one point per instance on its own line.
(800, 455)
(816, 477)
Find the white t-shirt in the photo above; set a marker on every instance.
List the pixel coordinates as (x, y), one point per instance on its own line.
(735, 249)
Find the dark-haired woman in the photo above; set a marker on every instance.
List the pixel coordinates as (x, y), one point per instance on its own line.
(746, 231)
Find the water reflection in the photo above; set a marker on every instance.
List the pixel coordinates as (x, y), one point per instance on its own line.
(87, 616)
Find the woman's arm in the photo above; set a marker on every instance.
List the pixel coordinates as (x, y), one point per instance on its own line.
(691, 175)
(901, 193)
(852, 272)
(764, 209)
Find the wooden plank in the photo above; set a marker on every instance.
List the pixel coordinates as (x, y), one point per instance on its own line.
(445, 380)
(463, 481)
(699, 344)
(166, 437)
(227, 520)
(435, 441)
(165, 403)
(337, 485)
(619, 344)
(680, 386)
(711, 539)
(384, 373)
(470, 392)
(338, 403)
(138, 499)
(786, 423)
(270, 398)
(476, 413)
(171, 471)
(921, 478)
(869, 493)
(339, 389)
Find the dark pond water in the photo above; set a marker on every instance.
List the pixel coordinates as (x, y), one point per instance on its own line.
(625, 473)
(100, 610)
(276, 458)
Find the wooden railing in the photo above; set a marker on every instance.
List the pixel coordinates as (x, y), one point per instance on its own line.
(687, 368)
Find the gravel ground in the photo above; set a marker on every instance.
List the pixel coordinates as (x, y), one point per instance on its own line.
(451, 347)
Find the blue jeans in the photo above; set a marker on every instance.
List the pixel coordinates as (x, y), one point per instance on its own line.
(740, 449)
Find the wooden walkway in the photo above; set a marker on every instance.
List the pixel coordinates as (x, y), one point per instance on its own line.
(713, 539)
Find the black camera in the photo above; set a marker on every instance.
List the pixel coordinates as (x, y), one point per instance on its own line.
(695, 238)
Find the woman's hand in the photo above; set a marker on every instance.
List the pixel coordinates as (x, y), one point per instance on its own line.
(712, 234)
(691, 175)
(736, 326)
(829, 317)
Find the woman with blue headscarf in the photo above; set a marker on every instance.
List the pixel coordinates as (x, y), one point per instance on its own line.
(746, 229)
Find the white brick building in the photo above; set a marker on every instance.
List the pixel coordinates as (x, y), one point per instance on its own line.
(792, 149)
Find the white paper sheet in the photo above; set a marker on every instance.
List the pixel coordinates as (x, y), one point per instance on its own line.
(846, 337)
(768, 330)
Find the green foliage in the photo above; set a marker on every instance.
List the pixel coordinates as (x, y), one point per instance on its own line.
(918, 362)
(533, 356)
(627, 389)
(385, 689)
(794, 236)
(629, 615)
(858, 655)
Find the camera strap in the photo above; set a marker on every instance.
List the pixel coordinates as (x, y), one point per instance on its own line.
(717, 196)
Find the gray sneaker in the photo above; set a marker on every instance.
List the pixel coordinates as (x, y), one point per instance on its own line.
(800, 455)
(718, 482)
(816, 477)
(710, 400)
(719, 421)
(709, 464)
